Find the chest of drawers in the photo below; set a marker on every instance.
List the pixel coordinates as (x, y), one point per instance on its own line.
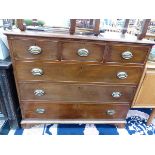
(72, 79)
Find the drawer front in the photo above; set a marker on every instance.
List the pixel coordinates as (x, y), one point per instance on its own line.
(74, 111)
(128, 53)
(65, 72)
(55, 92)
(76, 51)
(35, 49)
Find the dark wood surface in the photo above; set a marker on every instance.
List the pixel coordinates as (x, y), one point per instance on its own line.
(144, 29)
(49, 49)
(72, 26)
(20, 24)
(77, 72)
(80, 93)
(97, 27)
(76, 87)
(74, 111)
(139, 53)
(125, 27)
(67, 50)
(109, 38)
(70, 49)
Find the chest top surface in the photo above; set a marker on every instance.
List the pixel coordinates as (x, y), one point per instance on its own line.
(107, 36)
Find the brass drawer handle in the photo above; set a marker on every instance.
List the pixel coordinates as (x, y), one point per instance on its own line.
(122, 75)
(83, 52)
(40, 110)
(34, 50)
(127, 55)
(111, 112)
(39, 92)
(116, 94)
(37, 72)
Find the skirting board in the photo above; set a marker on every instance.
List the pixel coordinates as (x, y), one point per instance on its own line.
(46, 121)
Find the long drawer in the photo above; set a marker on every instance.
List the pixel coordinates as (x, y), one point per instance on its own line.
(56, 92)
(75, 72)
(74, 111)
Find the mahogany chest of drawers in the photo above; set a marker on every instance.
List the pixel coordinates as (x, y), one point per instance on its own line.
(73, 79)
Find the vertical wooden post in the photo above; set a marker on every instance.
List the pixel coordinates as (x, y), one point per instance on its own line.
(151, 117)
(125, 27)
(97, 27)
(72, 26)
(91, 21)
(144, 28)
(20, 24)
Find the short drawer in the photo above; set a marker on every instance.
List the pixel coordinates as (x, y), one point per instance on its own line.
(82, 51)
(67, 72)
(29, 48)
(74, 111)
(121, 53)
(56, 92)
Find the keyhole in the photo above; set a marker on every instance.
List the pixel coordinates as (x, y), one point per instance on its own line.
(81, 68)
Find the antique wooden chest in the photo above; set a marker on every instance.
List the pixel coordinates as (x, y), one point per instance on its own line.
(76, 79)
